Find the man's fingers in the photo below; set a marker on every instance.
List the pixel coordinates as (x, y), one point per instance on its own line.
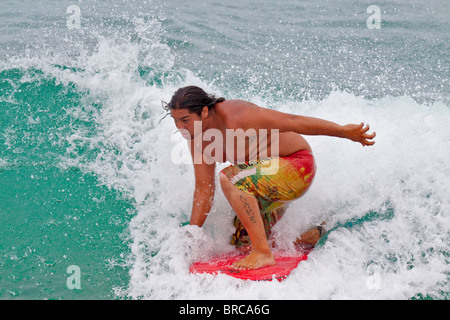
(360, 134)
(367, 143)
(370, 136)
(366, 128)
(367, 137)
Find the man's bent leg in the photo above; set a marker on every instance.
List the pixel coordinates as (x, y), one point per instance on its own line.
(241, 238)
(246, 207)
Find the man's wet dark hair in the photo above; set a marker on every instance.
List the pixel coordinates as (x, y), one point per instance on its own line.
(192, 98)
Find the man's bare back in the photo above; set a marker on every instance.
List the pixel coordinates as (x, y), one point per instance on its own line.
(256, 144)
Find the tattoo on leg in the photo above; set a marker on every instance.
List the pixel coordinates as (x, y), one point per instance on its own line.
(248, 209)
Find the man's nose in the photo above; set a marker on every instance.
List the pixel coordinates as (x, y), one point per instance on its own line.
(178, 125)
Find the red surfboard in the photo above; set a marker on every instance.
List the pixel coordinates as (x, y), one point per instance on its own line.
(284, 265)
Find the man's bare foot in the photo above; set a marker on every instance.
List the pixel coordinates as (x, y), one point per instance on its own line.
(245, 249)
(310, 237)
(248, 248)
(255, 260)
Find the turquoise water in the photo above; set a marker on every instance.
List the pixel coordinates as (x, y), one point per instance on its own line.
(53, 217)
(87, 169)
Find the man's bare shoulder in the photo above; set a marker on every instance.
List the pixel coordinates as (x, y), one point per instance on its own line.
(234, 112)
(237, 105)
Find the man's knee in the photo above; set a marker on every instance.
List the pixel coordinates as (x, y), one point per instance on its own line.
(223, 180)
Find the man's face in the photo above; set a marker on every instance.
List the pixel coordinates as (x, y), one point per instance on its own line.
(184, 121)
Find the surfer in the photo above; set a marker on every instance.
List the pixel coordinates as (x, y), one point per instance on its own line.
(272, 164)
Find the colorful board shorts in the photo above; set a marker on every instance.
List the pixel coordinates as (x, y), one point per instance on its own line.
(275, 182)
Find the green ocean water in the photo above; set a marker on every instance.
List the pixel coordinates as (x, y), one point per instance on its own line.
(88, 177)
(53, 217)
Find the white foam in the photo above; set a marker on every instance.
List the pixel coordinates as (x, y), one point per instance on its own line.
(389, 257)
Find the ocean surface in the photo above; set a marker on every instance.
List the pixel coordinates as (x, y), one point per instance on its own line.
(93, 205)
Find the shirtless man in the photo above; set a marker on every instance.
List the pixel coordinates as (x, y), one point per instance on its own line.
(269, 140)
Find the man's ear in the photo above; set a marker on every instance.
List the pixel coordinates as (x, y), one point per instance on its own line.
(205, 112)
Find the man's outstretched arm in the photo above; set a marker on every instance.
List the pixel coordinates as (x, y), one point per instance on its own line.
(262, 118)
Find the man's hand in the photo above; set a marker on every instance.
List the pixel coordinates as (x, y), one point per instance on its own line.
(358, 133)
